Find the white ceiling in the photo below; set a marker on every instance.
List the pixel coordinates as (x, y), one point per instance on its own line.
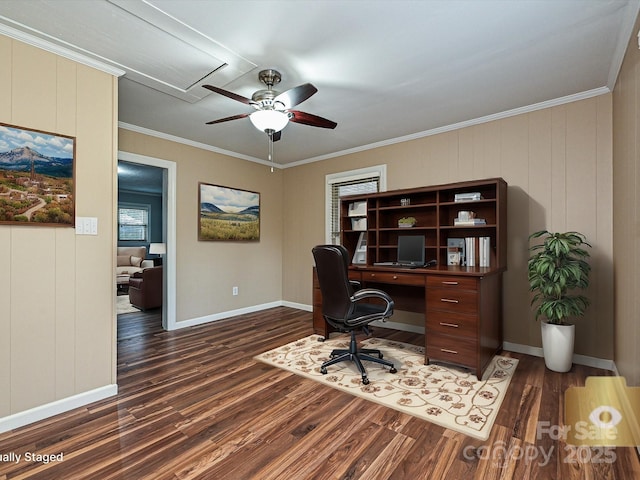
(385, 71)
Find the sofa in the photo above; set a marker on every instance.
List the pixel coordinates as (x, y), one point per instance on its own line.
(130, 260)
(145, 288)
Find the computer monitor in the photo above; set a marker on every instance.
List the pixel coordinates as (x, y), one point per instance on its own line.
(411, 249)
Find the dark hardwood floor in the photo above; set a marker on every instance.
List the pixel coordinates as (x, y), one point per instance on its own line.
(193, 403)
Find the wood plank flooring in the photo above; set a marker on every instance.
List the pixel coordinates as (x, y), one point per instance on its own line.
(193, 404)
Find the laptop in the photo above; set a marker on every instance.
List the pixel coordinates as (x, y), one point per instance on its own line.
(410, 252)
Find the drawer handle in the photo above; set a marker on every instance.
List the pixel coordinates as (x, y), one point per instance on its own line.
(395, 277)
(373, 274)
(449, 300)
(445, 324)
(450, 283)
(446, 350)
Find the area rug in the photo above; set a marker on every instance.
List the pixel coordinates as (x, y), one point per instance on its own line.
(449, 397)
(124, 306)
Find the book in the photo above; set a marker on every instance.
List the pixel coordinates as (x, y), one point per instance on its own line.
(471, 221)
(467, 197)
(470, 249)
(485, 251)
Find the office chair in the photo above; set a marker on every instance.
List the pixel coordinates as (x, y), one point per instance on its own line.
(347, 309)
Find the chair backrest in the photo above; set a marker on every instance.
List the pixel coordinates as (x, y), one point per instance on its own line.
(332, 262)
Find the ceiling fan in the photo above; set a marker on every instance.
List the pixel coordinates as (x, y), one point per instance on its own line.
(274, 109)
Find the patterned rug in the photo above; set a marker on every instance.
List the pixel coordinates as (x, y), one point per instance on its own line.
(444, 395)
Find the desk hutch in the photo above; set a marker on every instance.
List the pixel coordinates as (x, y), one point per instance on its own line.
(462, 305)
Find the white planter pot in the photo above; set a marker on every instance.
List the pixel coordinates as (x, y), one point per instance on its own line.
(557, 345)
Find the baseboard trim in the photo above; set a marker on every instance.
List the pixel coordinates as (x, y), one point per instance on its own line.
(513, 347)
(26, 417)
(299, 306)
(603, 363)
(229, 313)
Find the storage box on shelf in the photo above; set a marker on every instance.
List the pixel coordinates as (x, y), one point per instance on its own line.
(462, 304)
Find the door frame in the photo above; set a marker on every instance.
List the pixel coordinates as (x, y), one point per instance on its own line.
(169, 207)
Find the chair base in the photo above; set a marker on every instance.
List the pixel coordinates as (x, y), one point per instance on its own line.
(356, 356)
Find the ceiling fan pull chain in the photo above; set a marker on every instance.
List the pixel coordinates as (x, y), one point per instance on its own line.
(270, 135)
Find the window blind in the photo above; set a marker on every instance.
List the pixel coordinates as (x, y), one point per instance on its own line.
(348, 187)
(133, 224)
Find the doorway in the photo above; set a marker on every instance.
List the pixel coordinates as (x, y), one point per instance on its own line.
(167, 190)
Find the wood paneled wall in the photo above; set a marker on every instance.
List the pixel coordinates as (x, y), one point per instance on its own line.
(57, 335)
(558, 164)
(626, 213)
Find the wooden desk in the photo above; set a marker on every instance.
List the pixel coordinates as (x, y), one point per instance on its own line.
(462, 309)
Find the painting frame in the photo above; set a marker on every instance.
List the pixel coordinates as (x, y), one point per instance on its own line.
(37, 177)
(228, 214)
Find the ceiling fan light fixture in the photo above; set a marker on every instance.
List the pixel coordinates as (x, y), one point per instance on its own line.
(265, 120)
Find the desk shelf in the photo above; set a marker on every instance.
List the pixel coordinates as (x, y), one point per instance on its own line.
(479, 333)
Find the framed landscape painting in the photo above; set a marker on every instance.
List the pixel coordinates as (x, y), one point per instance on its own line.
(228, 213)
(36, 177)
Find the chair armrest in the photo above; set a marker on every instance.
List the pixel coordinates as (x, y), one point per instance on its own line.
(366, 293)
(146, 263)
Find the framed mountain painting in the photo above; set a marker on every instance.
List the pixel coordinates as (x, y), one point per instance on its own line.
(228, 213)
(37, 171)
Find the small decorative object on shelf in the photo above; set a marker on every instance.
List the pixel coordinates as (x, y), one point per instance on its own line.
(358, 209)
(359, 224)
(406, 222)
(455, 251)
(405, 202)
(467, 197)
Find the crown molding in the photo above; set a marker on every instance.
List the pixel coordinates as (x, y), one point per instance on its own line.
(457, 126)
(191, 143)
(35, 41)
(427, 133)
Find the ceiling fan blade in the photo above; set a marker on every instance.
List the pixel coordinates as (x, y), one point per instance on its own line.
(226, 93)
(309, 119)
(276, 136)
(296, 95)
(226, 119)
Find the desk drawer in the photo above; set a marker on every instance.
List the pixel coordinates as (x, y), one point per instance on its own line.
(452, 282)
(452, 300)
(393, 277)
(451, 349)
(451, 323)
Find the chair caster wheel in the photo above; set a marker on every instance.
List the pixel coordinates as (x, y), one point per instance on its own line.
(323, 370)
(393, 370)
(380, 355)
(365, 381)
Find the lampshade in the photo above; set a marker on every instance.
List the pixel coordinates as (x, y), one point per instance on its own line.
(157, 248)
(265, 120)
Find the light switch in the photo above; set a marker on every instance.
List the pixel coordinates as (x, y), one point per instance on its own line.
(86, 226)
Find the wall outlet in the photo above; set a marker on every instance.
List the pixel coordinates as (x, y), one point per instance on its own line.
(235, 290)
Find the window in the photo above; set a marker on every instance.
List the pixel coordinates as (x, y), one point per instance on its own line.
(133, 223)
(364, 180)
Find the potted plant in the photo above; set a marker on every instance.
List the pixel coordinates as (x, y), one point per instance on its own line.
(558, 271)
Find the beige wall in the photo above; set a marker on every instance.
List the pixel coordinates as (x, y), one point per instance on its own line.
(207, 271)
(56, 290)
(558, 165)
(626, 213)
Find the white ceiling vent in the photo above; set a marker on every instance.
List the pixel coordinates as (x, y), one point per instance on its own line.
(189, 58)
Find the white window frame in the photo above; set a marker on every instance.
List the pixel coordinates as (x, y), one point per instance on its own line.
(352, 175)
